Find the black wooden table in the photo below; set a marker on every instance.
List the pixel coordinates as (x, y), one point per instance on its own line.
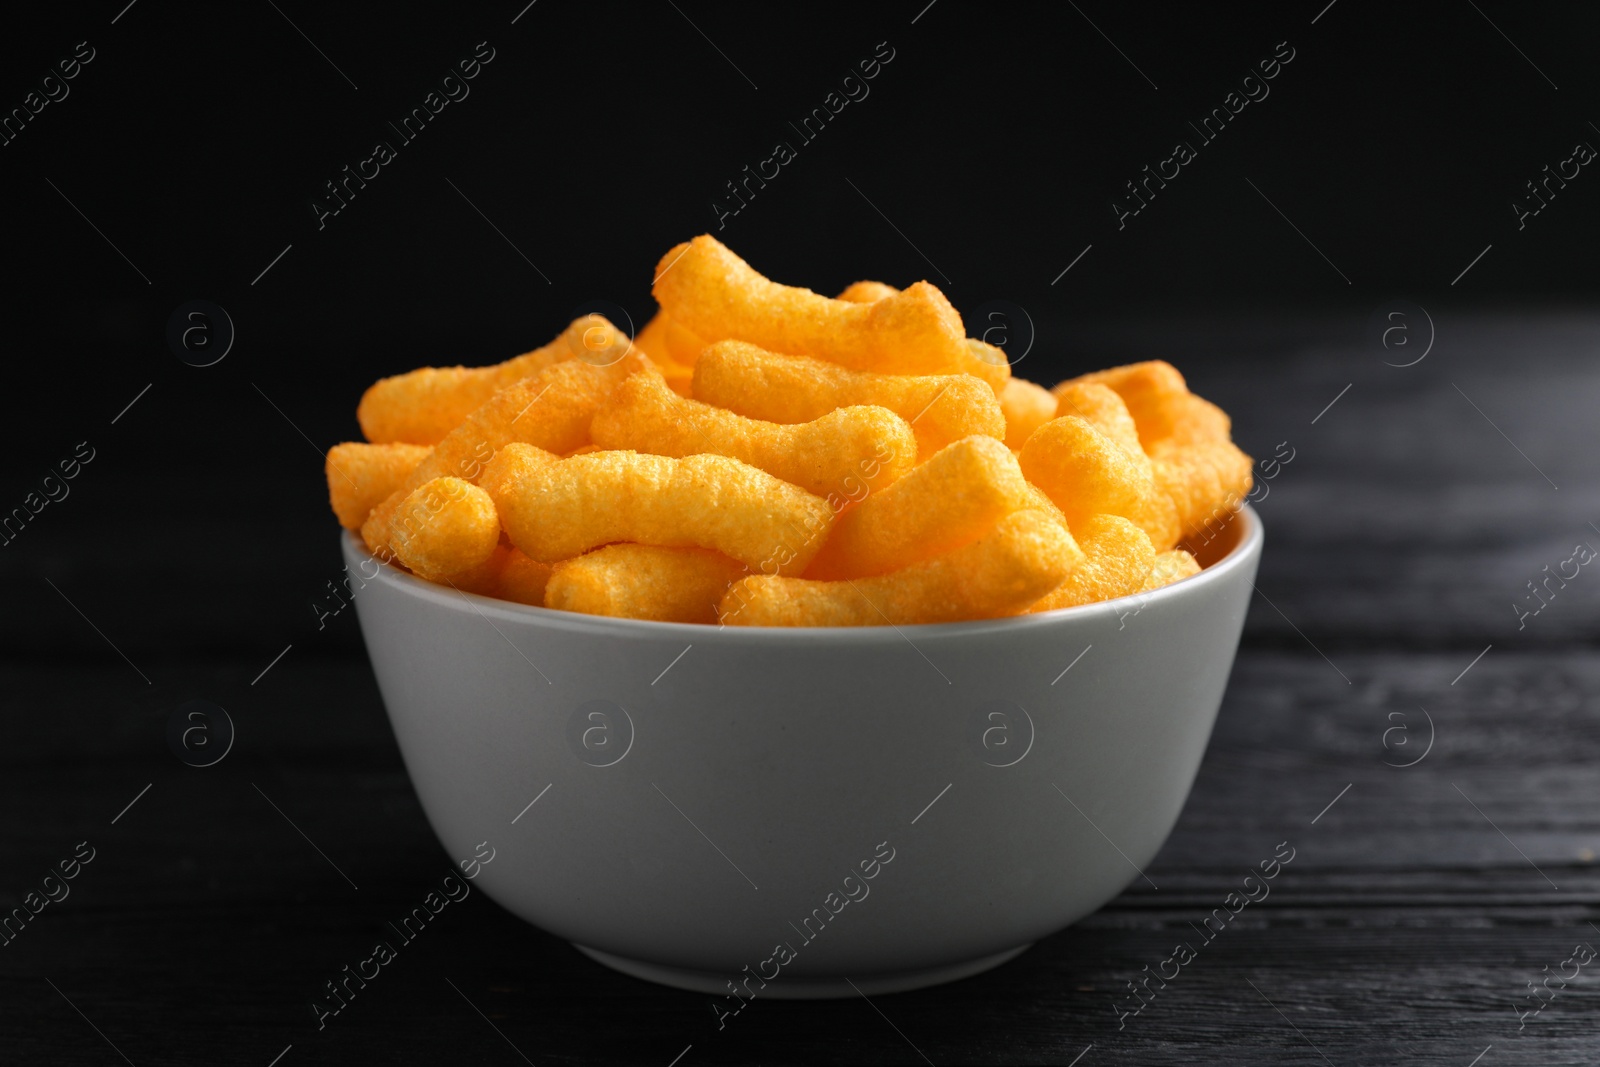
(1430, 756)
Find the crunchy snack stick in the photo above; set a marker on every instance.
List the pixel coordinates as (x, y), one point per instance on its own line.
(1158, 517)
(953, 498)
(552, 410)
(989, 363)
(511, 464)
(867, 292)
(1172, 566)
(644, 582)
(1084, 471)
(1195, 419)
(1117, 560)
(1200, 476)
(521, 579)
(1026, 407)
(1206, 481)
(564, 509)
(1196, 467)
(679, 379)
(507, 574)
(1101, 407)
(1000, 574)
(683, 344)
(781, 433)
(1040, 502)
(983, 360)
(444, 527)
(1151, 391)
(672, 346)
(360, 476)
(653, 339)
(841, 452)
(764, 385)
(422, 406)
(712, 292)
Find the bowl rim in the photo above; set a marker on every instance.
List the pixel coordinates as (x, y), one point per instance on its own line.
(1247, 548)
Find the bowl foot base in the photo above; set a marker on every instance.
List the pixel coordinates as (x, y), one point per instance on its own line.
(783, 988)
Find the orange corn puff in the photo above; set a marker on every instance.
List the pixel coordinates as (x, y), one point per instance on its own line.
(1152, 391)
(840, 452)
(983, 360)
(954, 498)
(989, 363)
(507, 574)
(552, 410)
(1026, 554)
(1026, 407)
(867, 292)
(764, 385)
(1171, 566)
(683, 344)
(511, 464)
(424, 405)
(1206, 481)
(644, 582)
(444, 527)
(653, 339)
(707, 289)
(1083, 470)
(1101, 407)
(1117, 558)
(1195, 418)
(361, 476)
(563, 509)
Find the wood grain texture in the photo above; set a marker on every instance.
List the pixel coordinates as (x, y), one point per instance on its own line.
(1417, 908)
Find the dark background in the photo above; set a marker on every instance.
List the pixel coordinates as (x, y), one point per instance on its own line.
(599, 137)
(192, 549)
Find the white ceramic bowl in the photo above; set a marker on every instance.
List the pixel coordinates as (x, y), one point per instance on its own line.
(789, 808)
